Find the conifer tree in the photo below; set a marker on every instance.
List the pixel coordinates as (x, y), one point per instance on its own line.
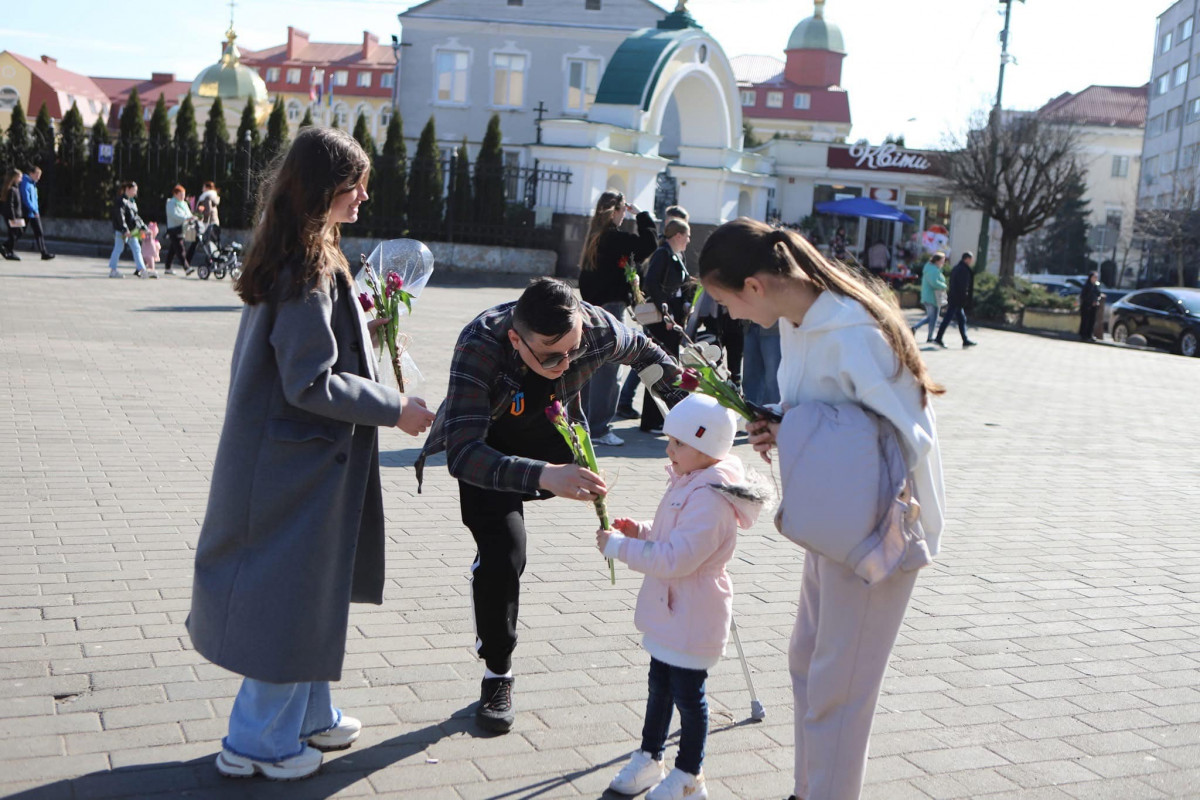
(17, 144)
(159, 133)
(98, 178)
(425, 196)
(187, 144)
(214, 148)
(460, 210)
(277, 132)
(43, 138)
(160, 161)
(244, 156)
(72, 165)
(489, 177)
(1062, 246)
(308, 120)
(362, 135)
(131, 149)
(391, 178)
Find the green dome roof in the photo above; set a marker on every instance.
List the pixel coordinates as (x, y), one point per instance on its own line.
(815, 33)
(228, 79)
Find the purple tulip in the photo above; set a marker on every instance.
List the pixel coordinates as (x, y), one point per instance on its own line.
(689, 381)
(394, 283)
(556, 413)
(366, 302)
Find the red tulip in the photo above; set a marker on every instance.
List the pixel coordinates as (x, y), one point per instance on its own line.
(366, 302)
(689, 381)
(394, 283)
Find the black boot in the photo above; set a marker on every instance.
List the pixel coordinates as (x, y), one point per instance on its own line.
(495, 711)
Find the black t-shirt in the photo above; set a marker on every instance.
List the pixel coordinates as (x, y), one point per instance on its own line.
(524, 430)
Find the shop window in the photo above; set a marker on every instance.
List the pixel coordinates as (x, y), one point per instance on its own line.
(937, 207)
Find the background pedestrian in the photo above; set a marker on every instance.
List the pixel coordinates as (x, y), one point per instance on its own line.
(959, 300)
(33, 214)
(11, 210)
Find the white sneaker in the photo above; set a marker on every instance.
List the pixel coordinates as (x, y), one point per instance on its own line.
(339, 737)
(680, 785)
(610, 439)
(298, 767)
(115, 274)
(639, 774)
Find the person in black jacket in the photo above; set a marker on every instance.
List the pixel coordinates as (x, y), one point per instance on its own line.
(607, 251)
(12, 211)
(1089, 305)
(127, 227)
(667, 285)
(959, 297)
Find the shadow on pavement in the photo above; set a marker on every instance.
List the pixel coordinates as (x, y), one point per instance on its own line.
(199, 778)
(188, 309)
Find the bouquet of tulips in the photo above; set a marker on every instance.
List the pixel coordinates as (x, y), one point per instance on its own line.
(704, 376)
(634, 280)
(385, 299)
(389, 281)
(577, 438)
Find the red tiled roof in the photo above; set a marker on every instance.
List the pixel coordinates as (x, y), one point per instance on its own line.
(757, 69)
(118, 90)
(60, 79)
(1119, 106)
(322, 53)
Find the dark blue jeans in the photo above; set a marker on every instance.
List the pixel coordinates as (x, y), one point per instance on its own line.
(954, 314)
(676, 687)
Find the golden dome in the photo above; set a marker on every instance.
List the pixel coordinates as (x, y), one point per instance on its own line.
(229, 80)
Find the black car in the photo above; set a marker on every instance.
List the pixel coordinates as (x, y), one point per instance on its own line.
(1168, 318)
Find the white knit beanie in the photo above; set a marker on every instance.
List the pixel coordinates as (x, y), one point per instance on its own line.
(700, 421)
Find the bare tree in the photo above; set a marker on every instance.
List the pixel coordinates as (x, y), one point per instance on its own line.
(1017, 171)
(1172, 227)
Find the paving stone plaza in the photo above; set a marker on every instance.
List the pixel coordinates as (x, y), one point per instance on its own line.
(1053, 652)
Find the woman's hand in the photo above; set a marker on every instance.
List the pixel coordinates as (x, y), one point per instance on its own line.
(373, 326)
(415, 418)
(627, 527)
(572, 482)
(762, 437)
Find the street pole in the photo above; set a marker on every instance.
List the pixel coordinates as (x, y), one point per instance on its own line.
(994, 127)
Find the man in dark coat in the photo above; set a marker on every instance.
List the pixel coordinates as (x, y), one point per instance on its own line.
(1089, 306)
(959, 297)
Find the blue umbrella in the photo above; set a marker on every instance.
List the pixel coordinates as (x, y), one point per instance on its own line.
(863, 207)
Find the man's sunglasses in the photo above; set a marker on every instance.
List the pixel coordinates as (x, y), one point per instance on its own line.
(550, 362)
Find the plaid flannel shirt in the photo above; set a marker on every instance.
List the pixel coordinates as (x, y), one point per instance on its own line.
(486, 374)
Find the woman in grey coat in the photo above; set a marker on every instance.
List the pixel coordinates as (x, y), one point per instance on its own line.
(294, 528)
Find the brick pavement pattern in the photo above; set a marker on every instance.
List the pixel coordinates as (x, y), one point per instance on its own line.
(1051, 653)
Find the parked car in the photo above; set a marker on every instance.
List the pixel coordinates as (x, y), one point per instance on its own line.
(1167, 318)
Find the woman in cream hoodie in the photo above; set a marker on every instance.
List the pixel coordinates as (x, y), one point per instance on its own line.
(840, 343)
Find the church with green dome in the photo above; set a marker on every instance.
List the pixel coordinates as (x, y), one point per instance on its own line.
(233, 82)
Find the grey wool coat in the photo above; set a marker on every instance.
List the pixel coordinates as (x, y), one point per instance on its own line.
(294, 528)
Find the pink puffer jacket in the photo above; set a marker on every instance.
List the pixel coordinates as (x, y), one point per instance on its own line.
(686, 602)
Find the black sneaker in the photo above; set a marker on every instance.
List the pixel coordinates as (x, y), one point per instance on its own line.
(47, 256)
(627, 412)
(495, 711)
(969, 343)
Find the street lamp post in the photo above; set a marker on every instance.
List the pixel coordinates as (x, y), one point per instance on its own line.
(981, 256)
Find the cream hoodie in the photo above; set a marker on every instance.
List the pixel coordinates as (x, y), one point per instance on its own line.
(838, 354)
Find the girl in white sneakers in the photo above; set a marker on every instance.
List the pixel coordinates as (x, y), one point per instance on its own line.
(686, 602)
(840, 343)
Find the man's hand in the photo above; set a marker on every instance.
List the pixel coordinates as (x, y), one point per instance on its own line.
(572, 482)
(415, 418)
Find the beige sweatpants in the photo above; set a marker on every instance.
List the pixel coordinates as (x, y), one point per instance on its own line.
(839, 652)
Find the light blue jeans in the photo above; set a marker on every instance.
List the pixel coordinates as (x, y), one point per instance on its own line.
(600, 393)
(931, 317)
(119, 244)
(760, 365)
(270, 721)
(629, 390)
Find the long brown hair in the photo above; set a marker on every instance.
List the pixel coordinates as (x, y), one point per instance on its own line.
(293, 214)
(602, 220)
(745, 247)
(10, 180)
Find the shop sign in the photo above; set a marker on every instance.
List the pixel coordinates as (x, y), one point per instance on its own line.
(885, 195)
(883, 158)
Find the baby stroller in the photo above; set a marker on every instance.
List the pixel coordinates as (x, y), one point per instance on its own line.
(220, 260)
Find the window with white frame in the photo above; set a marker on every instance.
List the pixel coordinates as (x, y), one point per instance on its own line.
(1154, 126)
(508, 80)
(1184, 31)
(341, 115)
(1193, 111)
(802, 100)
(272, 74)
(318, 77)
(1179, 75)
(1164, 43)
(385, 117)
(1162, 84)
(1174, 117)
(774, 99)
(341, 77)
(749, 98)
(294, 111)
(364, 80)
(387, 80)
(293, 75)
(583, 77)
(1120, 166)
(451, 77)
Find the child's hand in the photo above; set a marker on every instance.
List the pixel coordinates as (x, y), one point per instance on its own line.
(626, 526)
(601, 539)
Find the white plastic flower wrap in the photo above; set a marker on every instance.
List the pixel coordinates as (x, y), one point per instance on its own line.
(389, 281)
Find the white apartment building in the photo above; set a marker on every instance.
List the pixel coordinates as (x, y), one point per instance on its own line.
(1172, 139)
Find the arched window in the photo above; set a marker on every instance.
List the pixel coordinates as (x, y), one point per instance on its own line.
(385, 118)
(341, 114)
(294, 111)
(8, 98)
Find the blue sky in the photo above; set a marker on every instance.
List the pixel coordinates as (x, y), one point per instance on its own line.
(919, 67)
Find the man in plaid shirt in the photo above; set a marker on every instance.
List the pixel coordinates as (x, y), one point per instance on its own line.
(510, 363)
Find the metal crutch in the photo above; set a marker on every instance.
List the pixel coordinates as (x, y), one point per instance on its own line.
(757, 712)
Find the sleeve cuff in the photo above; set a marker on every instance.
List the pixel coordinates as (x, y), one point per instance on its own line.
(613, 548)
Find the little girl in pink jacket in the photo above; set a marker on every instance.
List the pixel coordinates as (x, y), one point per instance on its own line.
(686, 602)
